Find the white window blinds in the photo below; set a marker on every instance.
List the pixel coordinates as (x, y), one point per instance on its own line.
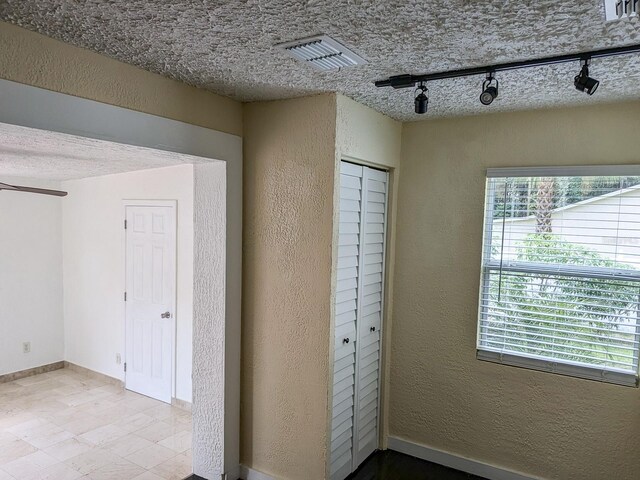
(560, 286)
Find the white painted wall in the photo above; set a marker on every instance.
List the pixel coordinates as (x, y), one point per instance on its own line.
(94, 276)
(30, 277)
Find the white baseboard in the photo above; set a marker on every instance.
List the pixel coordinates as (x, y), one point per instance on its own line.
(454, 461)
(247, 473)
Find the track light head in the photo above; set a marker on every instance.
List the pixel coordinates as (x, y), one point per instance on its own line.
(584, 82)
(489, 90)
(422, 99)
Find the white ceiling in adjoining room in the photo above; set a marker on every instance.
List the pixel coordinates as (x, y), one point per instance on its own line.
(32, 153)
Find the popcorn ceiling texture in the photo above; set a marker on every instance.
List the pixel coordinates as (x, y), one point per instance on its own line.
(227, 46)
(34, 153)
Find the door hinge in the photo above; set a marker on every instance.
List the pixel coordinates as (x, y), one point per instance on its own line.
(125, 223)
(125, 366)
(125, 296)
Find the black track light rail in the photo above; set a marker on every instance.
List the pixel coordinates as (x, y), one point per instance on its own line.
(408, 80)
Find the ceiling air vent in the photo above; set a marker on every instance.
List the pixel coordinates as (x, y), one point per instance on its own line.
(322, 52)
(621, 9)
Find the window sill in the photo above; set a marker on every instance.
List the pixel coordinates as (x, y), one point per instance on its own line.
(573, 370)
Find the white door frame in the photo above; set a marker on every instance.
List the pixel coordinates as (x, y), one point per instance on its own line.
(173, 204)
(217, 191)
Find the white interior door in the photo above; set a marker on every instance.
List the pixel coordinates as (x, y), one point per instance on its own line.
(150, 232)
(358, 317)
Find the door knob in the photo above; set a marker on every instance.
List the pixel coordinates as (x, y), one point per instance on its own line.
(165, 315)
(346, 340)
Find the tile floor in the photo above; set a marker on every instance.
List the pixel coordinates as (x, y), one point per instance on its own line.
(64, 425)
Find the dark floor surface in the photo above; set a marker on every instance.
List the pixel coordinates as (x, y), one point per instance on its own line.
(390, 465)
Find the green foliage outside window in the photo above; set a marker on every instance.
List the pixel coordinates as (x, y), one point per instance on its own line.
(594, 317)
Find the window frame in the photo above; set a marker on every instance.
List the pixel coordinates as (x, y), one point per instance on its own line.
(531, 361)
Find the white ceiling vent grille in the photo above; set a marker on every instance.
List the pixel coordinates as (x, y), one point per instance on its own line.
(322, 52)
(621, 9)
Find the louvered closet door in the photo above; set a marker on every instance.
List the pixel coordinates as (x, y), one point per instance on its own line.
(359, 296)
(342, 424)
(374, 201)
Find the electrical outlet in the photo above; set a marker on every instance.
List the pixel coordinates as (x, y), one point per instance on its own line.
(26, 347)
(118, 359)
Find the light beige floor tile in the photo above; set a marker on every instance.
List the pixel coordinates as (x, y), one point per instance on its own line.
(79, 398)
(84, 425)
(119, 469)
(103, 435)
(160, 412)
(156, 432)
(115, 411)
(68, 449)
(45, 440)
(59, 471)
(29, 464)
(179, 443)
(127, 445)
(31, 380)
(15, 450)
(7, 421)
(67, 415)
(139, 420)
(5, 476)
(97, 407)
(66, 389)
(63, 425)
(141, 403)
(148, 475)
(175, 468)
(91, 460)
(26, 427)
(6, 437)
(151, 456)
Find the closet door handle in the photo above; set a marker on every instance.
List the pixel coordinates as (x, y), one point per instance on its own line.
(372, 329)
(346, 340)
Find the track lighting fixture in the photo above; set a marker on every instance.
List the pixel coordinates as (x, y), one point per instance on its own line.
(489, 89)
(584, 82)
(422, 99)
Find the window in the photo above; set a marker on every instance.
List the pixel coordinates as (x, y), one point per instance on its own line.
(560, 287)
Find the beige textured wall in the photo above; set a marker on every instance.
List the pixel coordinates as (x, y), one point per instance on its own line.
(366, 136)
(288, 209)
(33, 59)
(544, 425)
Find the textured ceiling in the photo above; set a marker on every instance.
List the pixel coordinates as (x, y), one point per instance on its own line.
(227, 46)
(31, 153)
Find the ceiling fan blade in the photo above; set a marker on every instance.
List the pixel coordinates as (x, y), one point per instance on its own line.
(6, 186)
(42, 191)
